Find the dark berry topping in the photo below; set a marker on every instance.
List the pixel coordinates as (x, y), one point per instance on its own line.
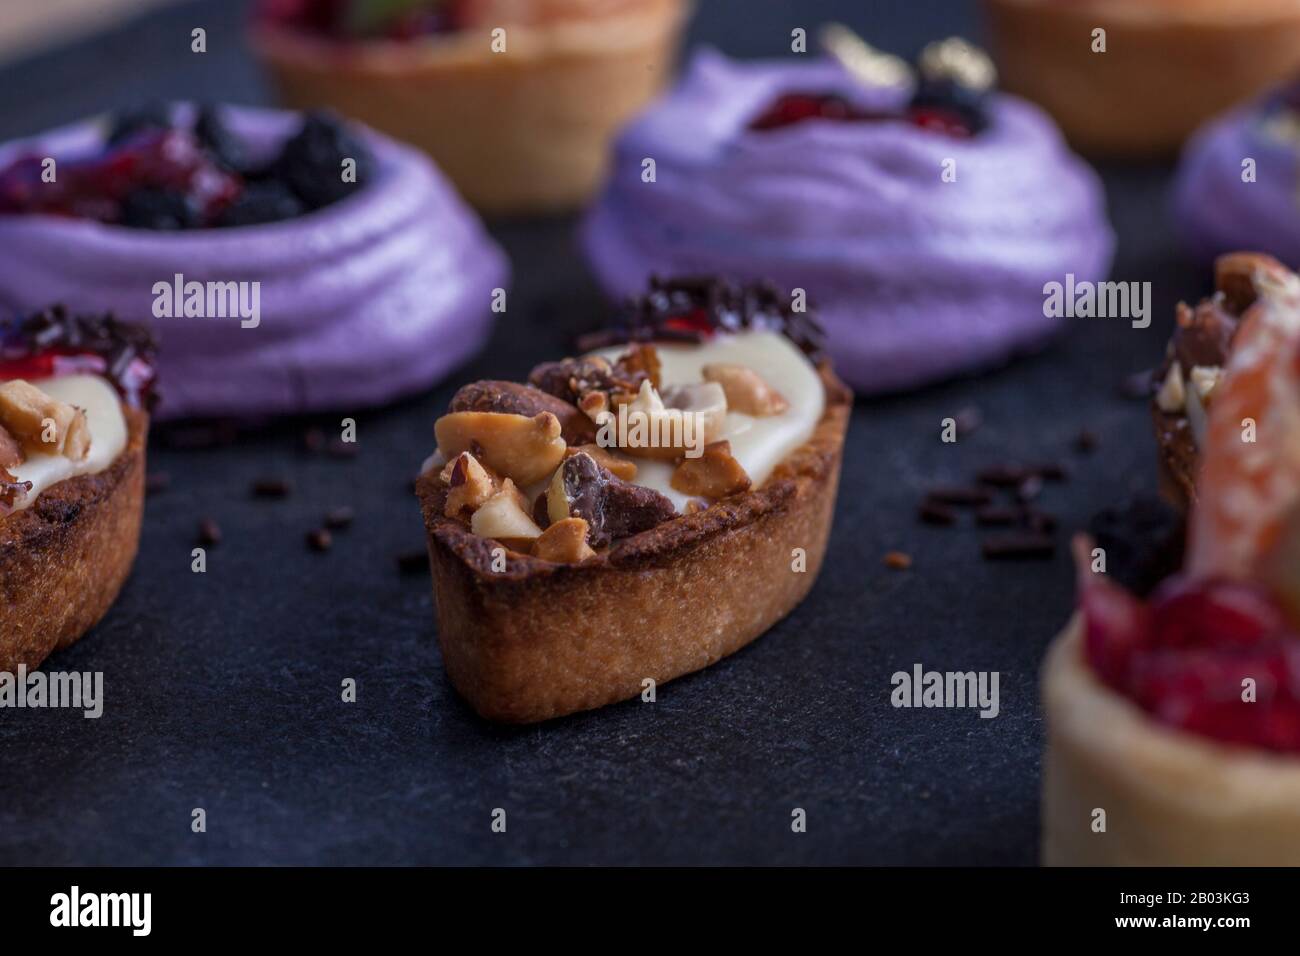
(155, 176)
(143, 119)
(693, 308)
(313, 161)
(55, 342)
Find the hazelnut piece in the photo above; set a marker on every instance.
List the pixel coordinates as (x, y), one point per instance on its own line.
(25, 411)
(564, 542)
(514, 446)
(503, 517)
(746, 390)
(469, 484)
(715, 474)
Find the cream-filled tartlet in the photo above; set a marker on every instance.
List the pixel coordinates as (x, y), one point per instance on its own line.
(516, 99)
(1174, 721)
(75, 394)
(636, 512)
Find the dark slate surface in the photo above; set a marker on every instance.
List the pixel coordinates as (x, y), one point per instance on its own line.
(223, 690)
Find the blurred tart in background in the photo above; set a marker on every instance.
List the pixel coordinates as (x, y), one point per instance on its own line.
(516, 99)
(1168, 65)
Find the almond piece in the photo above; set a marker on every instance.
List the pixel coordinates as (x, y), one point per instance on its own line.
(683, 419)
(504, 518)
(715, 474)
(614, 463)
(26, 411)
(564, 542)
(745, 389)
(11, 453)
(514, 446)
(469, 484)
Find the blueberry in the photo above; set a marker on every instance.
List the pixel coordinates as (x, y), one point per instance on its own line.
(262, 202)
(312, 161)
(222, 144)
(159, 209)
(141, 119)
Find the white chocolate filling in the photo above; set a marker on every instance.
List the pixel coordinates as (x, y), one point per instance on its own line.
(759, 444)
(107, 425)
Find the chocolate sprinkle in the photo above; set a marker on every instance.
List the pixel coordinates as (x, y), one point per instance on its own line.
(209, 532)
(935, 512)
(1015, 545)
(320, 540)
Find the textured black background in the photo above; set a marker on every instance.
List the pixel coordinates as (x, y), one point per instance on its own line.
(223, 689)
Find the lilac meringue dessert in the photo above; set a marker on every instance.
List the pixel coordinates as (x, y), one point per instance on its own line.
(286, 263)
(922, 217)
(1238, 182)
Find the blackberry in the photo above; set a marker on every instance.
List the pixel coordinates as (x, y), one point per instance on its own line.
(223, 145)
(312, 161)
(159, 209)
(127, 123)
(261, 202)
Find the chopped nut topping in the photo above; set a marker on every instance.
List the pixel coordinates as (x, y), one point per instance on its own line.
(32, 417)
(612, 508)
(614, 463)
(1172, 396)
(11, 453)
(517, 399)
(564, 542)
(469, 484)
(504, 517)
(715, 474)
(524, 449)
(680, 422)
(593, 383)
(745, 390)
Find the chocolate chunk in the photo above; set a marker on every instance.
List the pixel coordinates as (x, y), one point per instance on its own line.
(512, 398)
(1143, 539)
(320, 540)
(612, 508)
(1015, 545)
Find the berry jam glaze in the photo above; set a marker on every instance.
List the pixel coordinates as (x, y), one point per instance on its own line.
(791, 109)
(151, 175)
(1185, 655)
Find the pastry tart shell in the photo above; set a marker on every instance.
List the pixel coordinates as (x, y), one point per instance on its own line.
(64, 558)
(524, 131)
(1171, 798)
(538, 640)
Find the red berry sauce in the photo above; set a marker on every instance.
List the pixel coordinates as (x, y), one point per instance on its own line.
(1184, 655)
(791, 109)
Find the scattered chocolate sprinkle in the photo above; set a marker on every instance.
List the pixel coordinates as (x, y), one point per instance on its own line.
(1014, 545)
(209, 532)
(1050, 471)
(997, 515)
(936, 512)
(960, 495)
(409, 562)
(1002, 476)
(156, 482)
(271, 488)
(898, 560)
(339, 518)
(320, 540)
